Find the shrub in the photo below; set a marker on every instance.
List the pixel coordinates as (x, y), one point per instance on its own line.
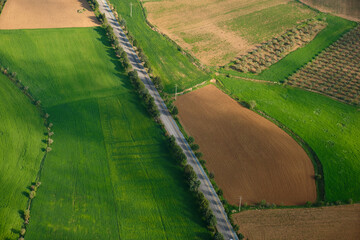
(190, 140)
(174, 110)
(26, 215)
(32, 194)
(240, 236)
(194, 147)
(198, 154)
(218, 236)
(252, 104)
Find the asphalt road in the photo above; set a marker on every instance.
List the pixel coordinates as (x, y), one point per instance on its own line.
(223, 224)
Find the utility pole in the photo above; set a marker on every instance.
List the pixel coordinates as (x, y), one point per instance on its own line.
(240, 204)
(175, 91)
(131, 9)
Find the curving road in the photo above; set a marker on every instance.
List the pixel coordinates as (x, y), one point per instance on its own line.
(223, 224)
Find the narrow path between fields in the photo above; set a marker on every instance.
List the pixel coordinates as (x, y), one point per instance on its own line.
(223, 224)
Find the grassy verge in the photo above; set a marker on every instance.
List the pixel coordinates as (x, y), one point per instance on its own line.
(331, 128)
(21, 132)
(110, 174)
(165, 58)
(292, 62)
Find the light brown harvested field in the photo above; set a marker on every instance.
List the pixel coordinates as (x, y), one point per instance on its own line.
(198, 25)
(249, 155)
(326, 223)
(26, 14)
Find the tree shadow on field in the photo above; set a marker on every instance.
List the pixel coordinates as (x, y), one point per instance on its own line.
(26, 194)
(85, 4)
(121, 73)
(15, 231)
(21, 213)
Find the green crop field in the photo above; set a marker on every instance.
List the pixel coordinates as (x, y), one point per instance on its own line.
(331, 128)
(21, 135)
(277, 18)
(281, 70)
(109, 175)
(166, 60)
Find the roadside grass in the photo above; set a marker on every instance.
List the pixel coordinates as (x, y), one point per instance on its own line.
(292, 62)
(331, 128)
(166, 60)
(21, 132)
(262, 25)
(110, 174)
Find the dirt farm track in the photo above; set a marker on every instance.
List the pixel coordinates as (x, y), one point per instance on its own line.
(325, 223)
(25, 14)
(249, 155)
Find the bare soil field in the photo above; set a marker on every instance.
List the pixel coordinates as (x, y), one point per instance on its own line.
(249, 155)
(349, 9)
(201, 27)
(336, 222)
(25, 14)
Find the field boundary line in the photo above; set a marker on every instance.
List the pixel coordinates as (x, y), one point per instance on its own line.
(223, 224)
(12, 76)
(318, 168)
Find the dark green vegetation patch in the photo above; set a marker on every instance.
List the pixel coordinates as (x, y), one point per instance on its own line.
(109, 175)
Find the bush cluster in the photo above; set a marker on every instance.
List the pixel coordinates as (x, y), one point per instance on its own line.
(275, 49)
(26, 213)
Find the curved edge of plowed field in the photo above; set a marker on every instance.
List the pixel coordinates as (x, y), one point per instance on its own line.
(250, 156)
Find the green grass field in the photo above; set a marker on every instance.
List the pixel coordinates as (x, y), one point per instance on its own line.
(292, 62)
(331, 128)
(109, 175)
(166, 60)
(262, 25)
(21, 135)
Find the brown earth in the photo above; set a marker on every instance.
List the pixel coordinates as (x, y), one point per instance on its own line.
(25, 14)
(249, 155)
(193, 24)
(328, 223)
(349, 9)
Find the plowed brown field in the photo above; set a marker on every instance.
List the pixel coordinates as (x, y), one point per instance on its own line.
(249, 155)
(25, 14)
(327, 223)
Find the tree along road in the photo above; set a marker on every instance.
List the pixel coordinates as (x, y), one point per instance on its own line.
(223, 224)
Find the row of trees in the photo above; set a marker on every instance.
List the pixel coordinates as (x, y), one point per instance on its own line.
(189, 174)
(335, 71)
(275, 49)
(34, 186)
(193, 183)
(148, 100)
